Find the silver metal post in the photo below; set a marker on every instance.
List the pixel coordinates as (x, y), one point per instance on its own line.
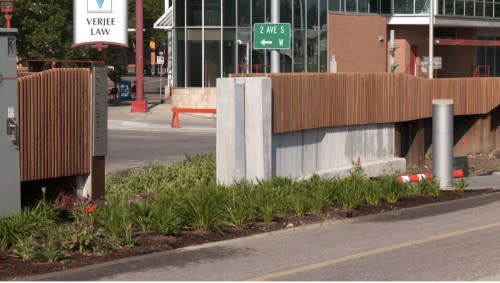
(430, 69)
(275, 53)
(442, 142)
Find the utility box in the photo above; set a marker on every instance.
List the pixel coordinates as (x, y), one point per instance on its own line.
(10, 184)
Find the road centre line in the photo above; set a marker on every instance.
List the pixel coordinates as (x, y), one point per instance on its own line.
(372, 252)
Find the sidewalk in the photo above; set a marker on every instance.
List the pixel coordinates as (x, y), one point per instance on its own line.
(158, 118)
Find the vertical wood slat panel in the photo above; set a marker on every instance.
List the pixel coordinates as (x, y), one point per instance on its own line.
(54, 124)
(307, 101)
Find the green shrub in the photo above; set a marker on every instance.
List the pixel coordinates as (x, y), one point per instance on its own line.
(461, 184)
(26, 248)
(372, 193)
(268, 200)
(298, 200)
(391, 188)
(347, 194)
(165, 220)
(318, 191)
(203, 206)
(428, 187)
(240, 206)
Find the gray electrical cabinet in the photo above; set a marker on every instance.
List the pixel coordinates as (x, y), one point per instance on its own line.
(10, 185)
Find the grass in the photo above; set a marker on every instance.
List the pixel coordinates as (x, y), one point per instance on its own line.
(184, 195)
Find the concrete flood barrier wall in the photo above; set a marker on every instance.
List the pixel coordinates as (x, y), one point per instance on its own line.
(247, 148)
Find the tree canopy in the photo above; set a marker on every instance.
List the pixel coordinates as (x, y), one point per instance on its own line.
(45, 29)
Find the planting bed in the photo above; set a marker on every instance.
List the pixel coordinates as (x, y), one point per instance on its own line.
(13, 267)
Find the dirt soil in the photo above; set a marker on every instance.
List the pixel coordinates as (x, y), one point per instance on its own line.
(12, 268)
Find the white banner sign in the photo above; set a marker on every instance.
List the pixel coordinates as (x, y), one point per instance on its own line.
(100, 22)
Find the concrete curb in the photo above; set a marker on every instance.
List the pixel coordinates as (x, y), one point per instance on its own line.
(89, 268)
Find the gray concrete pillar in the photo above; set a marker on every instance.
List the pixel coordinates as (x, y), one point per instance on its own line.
(258, 127)
(230, 133)
(442, 142)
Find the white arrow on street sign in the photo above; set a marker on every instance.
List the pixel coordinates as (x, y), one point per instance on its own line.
(264, 42)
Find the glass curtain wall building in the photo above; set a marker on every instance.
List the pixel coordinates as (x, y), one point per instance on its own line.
(213, 38)
(466, 8)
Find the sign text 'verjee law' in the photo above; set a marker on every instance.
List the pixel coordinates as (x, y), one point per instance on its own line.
(100, 21)
(271, 36)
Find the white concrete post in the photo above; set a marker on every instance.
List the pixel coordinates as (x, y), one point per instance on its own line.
(258, 128)
(230, 137)
(442, 142)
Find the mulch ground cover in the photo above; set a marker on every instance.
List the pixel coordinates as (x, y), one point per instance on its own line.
(12, 267)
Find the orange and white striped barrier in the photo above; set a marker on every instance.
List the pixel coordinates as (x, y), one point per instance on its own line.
(419, 177)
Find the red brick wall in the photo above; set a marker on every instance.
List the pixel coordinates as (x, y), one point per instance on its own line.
(354, 40)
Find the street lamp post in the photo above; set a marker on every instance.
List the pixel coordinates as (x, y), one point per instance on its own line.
(430, 69)
(7, 7)
(139, 105)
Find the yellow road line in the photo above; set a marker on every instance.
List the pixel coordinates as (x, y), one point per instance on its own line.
(372, 252)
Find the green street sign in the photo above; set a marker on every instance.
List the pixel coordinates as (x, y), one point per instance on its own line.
(271, 36)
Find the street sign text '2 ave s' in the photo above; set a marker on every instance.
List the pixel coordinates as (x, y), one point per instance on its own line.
(271, 36)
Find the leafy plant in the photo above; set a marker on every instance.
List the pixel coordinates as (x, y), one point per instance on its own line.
(461, 184)
(26, 248)
(392, 189)
(319, 193)
(239, 207)
(372, 193)
(347, 195)
(428, 187)
(267, 200)
(202, 207)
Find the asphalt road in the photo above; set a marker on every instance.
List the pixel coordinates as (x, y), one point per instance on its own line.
(128, 149)
(456, 240)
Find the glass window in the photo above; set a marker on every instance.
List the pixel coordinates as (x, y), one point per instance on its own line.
(334, 5)
(243, 13)
(448, 7)
(421, 6)
(350, 5)
(299, 54)
(179, 70)
(323, 15)
(258, 11)
(441, 7)
(488, 9)
(312, 51)
(194, 15)
(286, 11)
(385, 6)
(312, 14)
(259, 61)
(212, 57)
(323, 52)
(229, 52)
(469, 8)
(362, 6)
(299, 14)
(229, 13)
(403, 6)
(179, 13)
(497, 10)
(459, 8)
(194, 58)
(479, 9)
(373, 6)
(212, 12)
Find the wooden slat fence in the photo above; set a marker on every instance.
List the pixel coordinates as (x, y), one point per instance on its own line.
(313, 100)
(54, 120)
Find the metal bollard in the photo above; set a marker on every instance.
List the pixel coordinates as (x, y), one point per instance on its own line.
(442, 142)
